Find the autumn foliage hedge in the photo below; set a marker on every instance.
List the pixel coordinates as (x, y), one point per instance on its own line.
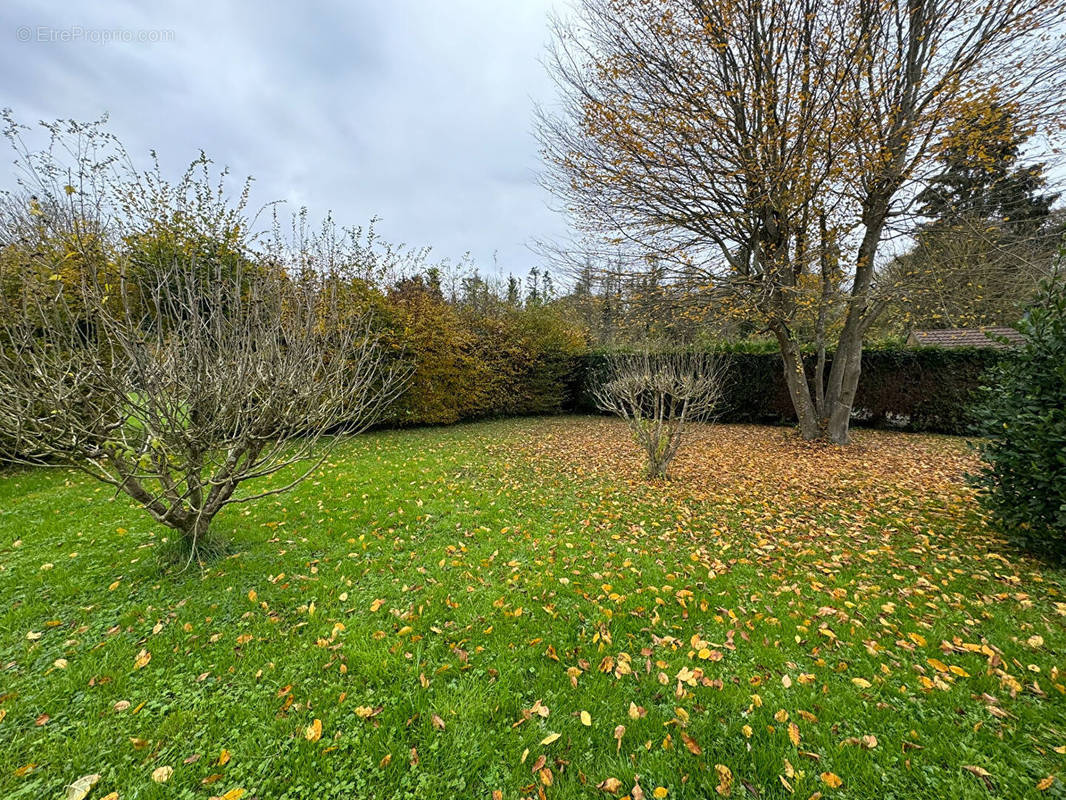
(917, 389)
(474, 363)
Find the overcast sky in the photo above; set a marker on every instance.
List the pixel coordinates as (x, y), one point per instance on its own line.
(416, 111)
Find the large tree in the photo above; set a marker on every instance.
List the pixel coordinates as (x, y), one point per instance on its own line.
(770, 144)
(988, 234)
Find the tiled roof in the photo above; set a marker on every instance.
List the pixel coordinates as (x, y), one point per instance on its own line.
(966, 337)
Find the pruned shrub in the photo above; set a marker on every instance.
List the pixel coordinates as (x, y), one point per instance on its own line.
(659, 395)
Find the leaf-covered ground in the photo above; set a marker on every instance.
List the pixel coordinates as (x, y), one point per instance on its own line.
(507, 607)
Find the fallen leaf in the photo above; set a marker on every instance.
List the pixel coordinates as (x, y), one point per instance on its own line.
(831, 779)
(81, 787)
(725, 780)
(610, 785)
(981, 773)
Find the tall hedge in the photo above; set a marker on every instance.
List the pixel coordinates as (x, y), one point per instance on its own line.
(918, 389)
(1023, 418)
(473, 364)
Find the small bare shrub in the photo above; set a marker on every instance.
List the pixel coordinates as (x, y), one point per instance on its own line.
(658, 395)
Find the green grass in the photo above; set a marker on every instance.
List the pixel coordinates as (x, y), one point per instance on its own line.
(494, 547)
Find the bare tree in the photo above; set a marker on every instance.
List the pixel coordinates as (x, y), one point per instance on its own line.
(659, 395)
(771, 147)
(173, 362)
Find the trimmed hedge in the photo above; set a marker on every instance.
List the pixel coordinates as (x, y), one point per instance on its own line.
(1023, 417)
(918, 389)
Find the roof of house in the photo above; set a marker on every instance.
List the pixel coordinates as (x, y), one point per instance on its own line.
(966, 337)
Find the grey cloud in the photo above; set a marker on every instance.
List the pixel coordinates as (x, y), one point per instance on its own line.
(417, 111)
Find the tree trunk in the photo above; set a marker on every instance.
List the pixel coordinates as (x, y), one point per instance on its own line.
(826, 270)
(798, 388)
(195, 536)
(849, 355)
(847, 360)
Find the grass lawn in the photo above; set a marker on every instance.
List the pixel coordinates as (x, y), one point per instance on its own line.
(508, 606)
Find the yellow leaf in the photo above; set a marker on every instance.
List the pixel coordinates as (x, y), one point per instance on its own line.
(659, 792)
(314, 731)
(551, 737)
(162, 774)
(586, 718)
(831, 779)
(377, 604)
(1045, 784)
(862, 683)
(223, 757)
(233, 794)
(725, 780)
(142, 659)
